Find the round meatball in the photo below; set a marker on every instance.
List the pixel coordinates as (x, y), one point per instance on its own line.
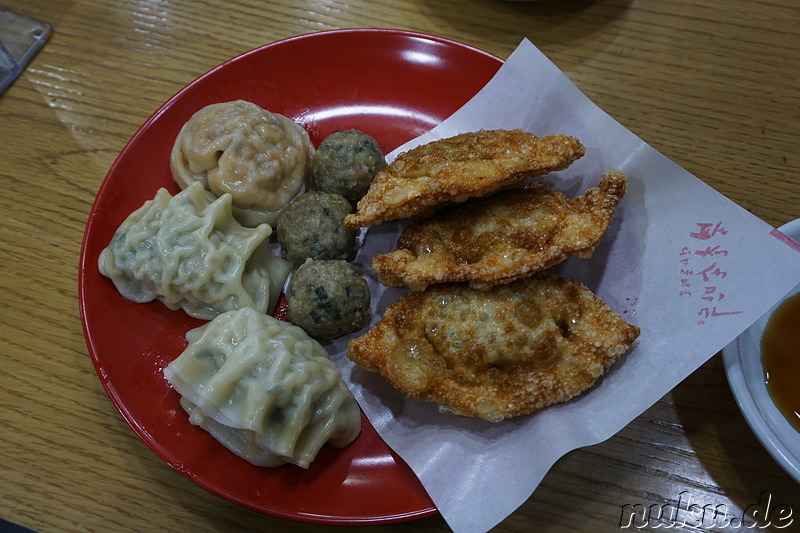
(328, 299)
(345, 163)
(312, 227)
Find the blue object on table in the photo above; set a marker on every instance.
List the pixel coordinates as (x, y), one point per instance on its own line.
(20, 38)
(9, 527)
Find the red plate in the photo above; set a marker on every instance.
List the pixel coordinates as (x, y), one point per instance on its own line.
(394, 85)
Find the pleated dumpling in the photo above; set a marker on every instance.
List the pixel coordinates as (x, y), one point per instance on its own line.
(264, 389)
(189, 252)
(262, 159)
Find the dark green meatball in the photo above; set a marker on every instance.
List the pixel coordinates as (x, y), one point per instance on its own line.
(328, 299)
(312, 227)
(345, 163)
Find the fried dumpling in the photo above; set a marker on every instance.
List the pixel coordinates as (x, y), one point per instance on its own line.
(509, 235)
(495, 354)
(455, 169)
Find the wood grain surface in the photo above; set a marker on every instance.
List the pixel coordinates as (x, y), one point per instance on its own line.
(713, 85)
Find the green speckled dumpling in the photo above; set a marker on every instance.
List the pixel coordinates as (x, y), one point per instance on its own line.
(264, 389)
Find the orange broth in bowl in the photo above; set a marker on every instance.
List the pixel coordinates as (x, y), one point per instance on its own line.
(780, 355)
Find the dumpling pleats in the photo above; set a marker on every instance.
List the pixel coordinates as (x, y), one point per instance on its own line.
(264, 388)
(189, 252)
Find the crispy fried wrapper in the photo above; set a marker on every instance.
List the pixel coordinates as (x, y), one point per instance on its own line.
(494, 354)
(468, 165)
(506, 236)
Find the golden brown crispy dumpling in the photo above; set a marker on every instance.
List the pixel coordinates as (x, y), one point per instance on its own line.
(466, 166)
(509, 235)
(494, 354)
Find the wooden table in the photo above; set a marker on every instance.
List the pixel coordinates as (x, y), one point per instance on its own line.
(713, 85)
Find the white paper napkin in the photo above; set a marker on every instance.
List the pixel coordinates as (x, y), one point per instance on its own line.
(688, 266)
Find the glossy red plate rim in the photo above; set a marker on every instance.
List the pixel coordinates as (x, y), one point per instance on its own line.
(395, 85)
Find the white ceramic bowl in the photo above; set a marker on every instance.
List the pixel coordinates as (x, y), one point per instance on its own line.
(745, 373)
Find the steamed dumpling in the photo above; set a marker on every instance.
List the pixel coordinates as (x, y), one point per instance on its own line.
(264, 389)
(260, 158)
(189, 252)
